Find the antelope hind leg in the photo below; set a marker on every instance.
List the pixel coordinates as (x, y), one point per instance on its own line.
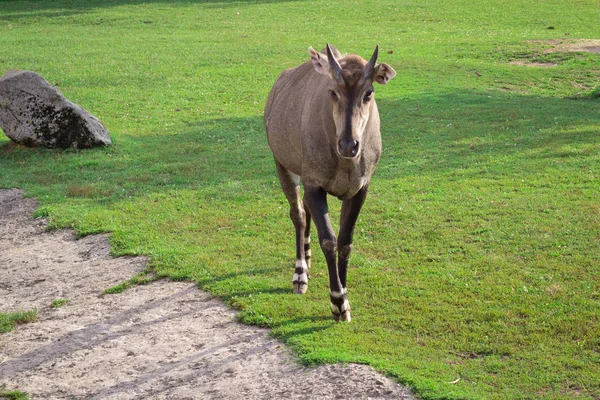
(290, 183)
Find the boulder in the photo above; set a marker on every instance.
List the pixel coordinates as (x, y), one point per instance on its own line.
(36, 114)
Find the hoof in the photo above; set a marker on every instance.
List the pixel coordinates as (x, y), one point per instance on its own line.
(344, 316)
(340, 307)
(300, 279)
(300, 287)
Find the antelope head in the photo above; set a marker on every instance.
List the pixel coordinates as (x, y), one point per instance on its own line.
(350, 91)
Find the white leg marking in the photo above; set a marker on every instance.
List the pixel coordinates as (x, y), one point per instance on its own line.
(340, 312)
(345, 307)
(302, 265)
(300, 280)
(338, 295)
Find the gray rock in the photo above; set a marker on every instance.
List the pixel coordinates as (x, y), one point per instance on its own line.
(36, 114)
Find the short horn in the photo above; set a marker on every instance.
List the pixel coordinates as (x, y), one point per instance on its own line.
(334, 66)
(368, 70)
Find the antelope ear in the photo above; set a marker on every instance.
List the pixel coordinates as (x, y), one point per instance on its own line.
(383, 73)
(319, 61)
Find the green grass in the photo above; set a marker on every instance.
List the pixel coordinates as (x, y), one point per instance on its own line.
(58, 303)
(12, 394)
(141, 278)
(9, 321)
(476, 255)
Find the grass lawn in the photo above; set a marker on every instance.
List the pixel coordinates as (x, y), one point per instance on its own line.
(8, 321)
(476, 267)
(12, 394)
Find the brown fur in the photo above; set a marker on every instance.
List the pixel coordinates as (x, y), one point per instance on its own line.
(352, 67)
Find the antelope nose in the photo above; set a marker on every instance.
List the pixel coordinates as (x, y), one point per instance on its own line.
(348, 148)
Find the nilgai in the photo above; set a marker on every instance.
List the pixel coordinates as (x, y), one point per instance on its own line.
(322, 125)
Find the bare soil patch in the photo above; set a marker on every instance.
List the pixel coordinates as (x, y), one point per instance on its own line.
(165, 340)
(544, 48)
(533, 64)
(570, 45)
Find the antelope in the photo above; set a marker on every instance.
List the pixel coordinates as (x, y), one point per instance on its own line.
(322, 126)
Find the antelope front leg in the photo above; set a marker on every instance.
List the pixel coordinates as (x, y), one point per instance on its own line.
(350, 210)
(316, 201)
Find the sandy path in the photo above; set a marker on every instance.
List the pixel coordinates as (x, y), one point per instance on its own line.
(165, 340)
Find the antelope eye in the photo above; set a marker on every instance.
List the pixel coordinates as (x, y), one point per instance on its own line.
(333, 95)
(368, 95)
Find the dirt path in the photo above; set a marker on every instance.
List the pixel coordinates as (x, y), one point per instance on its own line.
(165, 340)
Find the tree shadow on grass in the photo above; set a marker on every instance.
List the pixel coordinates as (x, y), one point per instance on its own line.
(470, 132)
(14, 10)
(200, 155)
(463, 131)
